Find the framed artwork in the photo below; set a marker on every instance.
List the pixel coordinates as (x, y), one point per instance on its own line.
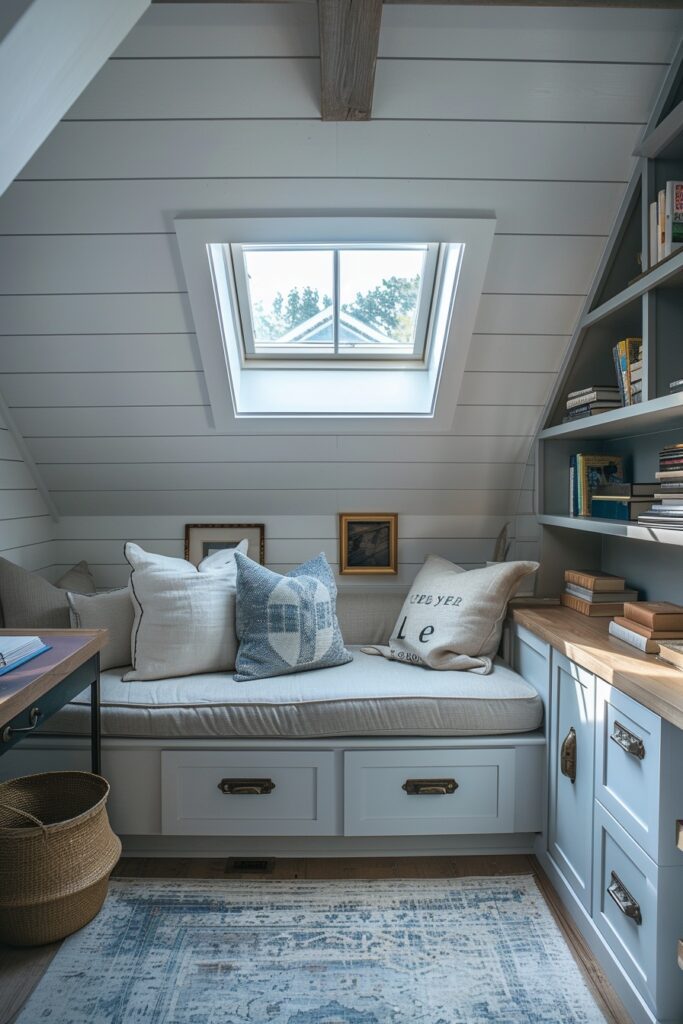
(368, 543)
(203, 539)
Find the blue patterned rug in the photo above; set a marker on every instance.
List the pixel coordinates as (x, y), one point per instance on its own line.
(452, 951)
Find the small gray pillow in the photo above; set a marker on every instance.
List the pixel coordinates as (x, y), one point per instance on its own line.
(78, 579)
(30, 602)
(113, 611)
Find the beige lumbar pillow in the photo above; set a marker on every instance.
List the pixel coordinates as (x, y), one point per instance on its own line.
(453, 619)
(184, 617)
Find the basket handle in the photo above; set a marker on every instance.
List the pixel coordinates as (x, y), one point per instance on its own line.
(26, 814)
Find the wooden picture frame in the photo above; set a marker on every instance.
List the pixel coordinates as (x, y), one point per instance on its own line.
(202, 539)
(368, 543)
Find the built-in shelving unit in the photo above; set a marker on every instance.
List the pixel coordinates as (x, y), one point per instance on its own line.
(629, 298)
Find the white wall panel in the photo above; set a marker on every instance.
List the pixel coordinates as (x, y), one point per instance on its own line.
(113, 206)
(213, 108)
(291, 149)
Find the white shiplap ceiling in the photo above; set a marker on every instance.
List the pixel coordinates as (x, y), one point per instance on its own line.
(532, 113)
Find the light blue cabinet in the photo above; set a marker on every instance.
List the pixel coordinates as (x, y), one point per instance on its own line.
(571, 749)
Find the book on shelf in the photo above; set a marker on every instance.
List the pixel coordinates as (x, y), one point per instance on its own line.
(625, 353)
(626, 490)
(591, 409)
(655, 614)
(627, 509)
(676, 385)
(591, 608)
(628, 636)
(606, 394)
(667, 523)
(600, 597)
(666, 222)
(672, 652)
(654, 257)
(587, 472)
(593, 579)
(651, 634)
(17, 650)
(661, 223)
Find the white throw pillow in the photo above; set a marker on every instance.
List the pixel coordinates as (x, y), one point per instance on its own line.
(112, 610)
(184, 619)
(453, 619)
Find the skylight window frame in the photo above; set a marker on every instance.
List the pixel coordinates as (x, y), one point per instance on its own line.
(233, 255)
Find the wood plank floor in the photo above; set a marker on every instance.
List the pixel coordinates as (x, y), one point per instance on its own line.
(21, 969)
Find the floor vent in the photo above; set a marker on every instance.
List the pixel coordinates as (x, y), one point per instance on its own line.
(249, 866)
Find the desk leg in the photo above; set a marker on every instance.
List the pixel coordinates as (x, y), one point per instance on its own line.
(95, 751)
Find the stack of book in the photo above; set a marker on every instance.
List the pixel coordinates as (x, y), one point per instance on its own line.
(622, 501)
(592, 400)
(595, 593)
(666, 222)
(643, 624)
(15, 650)
(667, 509)
(675, 386)
(588, 472)
(628, 364)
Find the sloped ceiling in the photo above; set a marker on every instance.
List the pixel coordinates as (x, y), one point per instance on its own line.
(530, 113)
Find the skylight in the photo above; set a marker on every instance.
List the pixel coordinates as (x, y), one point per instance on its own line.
(334, 301)
(335, 317)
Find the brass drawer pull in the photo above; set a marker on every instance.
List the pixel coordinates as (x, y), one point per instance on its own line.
(429, 787)
(246, 787)
(34, 716)
(568, 755)
(623, 899)
(628, 741)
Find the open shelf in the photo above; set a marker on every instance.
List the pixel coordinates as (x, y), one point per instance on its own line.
(645, 418)
(615, 528)
(668, 273)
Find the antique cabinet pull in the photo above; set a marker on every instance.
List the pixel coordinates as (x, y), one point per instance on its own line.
(568, 755)
(628, 741)
(246, 787)
(429, 787)
(34, 716)
(623, 899)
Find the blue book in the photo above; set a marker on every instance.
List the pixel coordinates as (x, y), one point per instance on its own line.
(22, 661)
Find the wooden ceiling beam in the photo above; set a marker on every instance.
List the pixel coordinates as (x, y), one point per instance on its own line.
(349, 42)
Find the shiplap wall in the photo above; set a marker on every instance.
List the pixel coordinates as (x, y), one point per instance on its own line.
(530, 113)
(27, 529)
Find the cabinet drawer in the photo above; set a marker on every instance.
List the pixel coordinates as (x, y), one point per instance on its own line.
(620, 864)
(392, 792)
(627, 765)
(298, 793)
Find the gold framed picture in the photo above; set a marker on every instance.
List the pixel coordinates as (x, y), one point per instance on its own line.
(204, 539)
(368, 543)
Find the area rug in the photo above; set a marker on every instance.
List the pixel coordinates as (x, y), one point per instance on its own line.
(446, 951)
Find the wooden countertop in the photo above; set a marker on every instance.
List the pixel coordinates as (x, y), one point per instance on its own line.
(652, 682)
(69, 648)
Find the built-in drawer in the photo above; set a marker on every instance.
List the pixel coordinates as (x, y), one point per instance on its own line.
(249, 793)
(531, 658)
(428, 792)
(638, 909)
(627, 764)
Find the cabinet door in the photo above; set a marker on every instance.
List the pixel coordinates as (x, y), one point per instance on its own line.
(572, 744)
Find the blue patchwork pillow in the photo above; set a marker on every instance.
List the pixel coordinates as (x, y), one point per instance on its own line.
(286, 623)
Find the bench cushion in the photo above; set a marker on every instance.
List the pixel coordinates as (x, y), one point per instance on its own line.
(366, 697)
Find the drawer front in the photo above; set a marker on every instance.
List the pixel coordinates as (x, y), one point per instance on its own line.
(249, 793)
(531, 658)
(632, 939)
(627, 765)
(570, 811)
(428, 792)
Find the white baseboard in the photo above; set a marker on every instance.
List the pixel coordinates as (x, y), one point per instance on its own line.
(334, 846)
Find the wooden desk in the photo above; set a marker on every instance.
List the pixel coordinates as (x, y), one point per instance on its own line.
(585, 640)
(36, 690)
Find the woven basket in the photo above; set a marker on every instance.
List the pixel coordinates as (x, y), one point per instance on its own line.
(57, 851)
